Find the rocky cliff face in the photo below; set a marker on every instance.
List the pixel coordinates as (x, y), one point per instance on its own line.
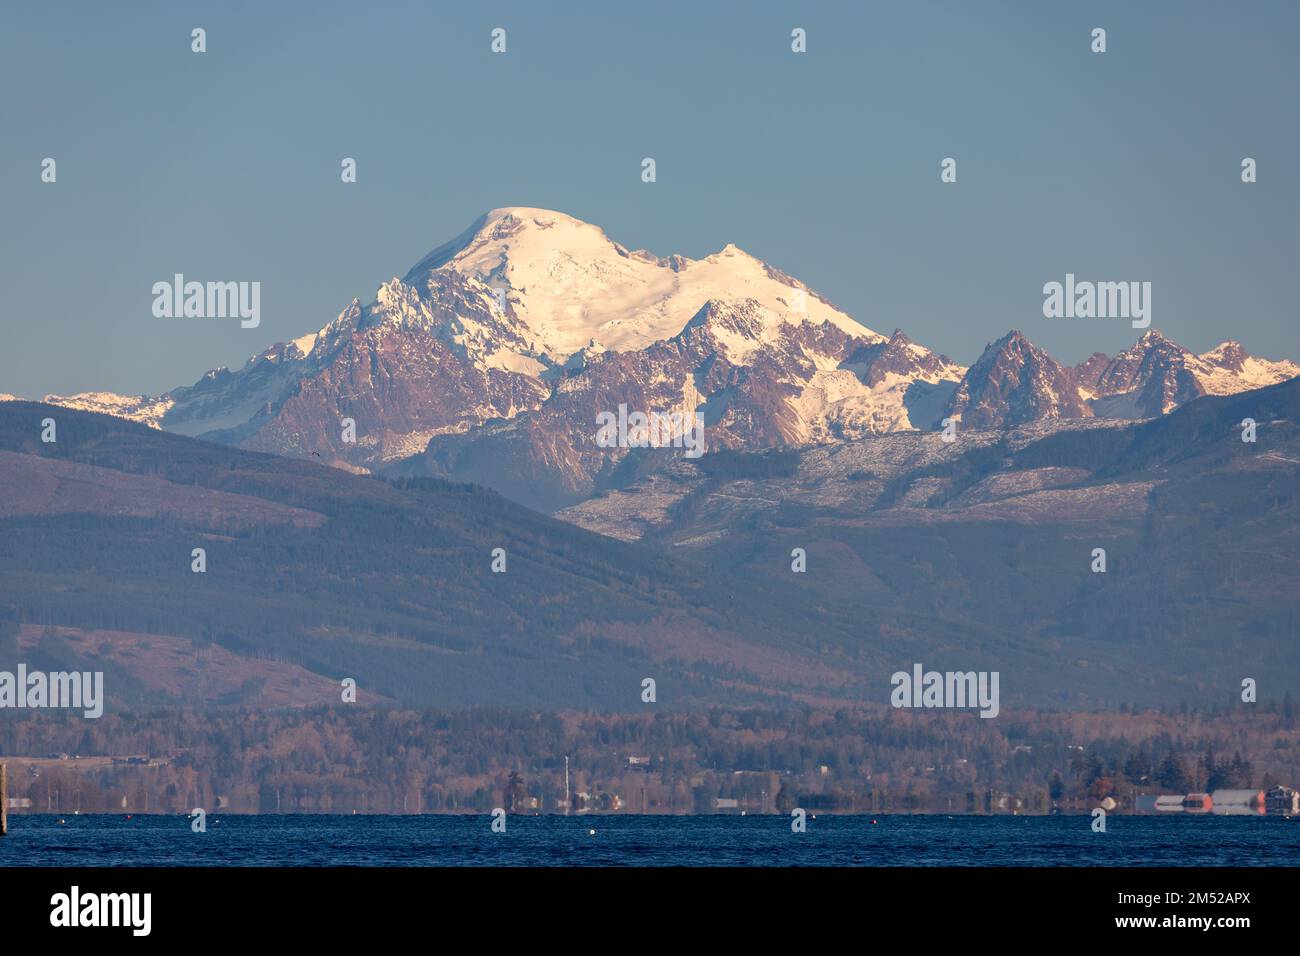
(1015, 382)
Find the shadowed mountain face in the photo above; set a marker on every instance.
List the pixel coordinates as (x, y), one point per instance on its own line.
(971, 555)
(994, 534)
(1150, 379)
(320, 575)
(1013, 383)
(550, 457)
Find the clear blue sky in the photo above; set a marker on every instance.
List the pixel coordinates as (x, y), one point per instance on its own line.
(226, 165)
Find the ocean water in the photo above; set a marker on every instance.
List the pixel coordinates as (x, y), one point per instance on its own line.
(634, 840)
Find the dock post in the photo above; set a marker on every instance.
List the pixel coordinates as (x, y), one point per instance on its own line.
(4, 802)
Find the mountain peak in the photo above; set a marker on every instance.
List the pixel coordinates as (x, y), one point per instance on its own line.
(1149, 379)
(1229, 354)
(1014, 340)
(1229, 368)
(529, 212)
(1154, 344)
(730, 250)
(1014, 382)
(572, 283)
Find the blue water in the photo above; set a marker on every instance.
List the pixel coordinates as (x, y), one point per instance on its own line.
(630, 840)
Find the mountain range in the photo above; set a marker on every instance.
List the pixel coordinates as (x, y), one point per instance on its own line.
(490, 359)
(834, 531)
(976, 554)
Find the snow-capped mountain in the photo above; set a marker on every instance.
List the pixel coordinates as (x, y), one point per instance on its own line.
(757, 382)
(140, 408)
(492, 357)
(908, 384)
(1228, 369)
(533, 311)
(1157, 375)
(571, 287)
(1015, 382)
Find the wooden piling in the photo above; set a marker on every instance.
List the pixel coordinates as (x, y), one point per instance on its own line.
(4, 801)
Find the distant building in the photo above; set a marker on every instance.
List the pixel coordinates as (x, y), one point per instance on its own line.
(597, 801)
(1198, 802)
(726, 803)
(1282, 800)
